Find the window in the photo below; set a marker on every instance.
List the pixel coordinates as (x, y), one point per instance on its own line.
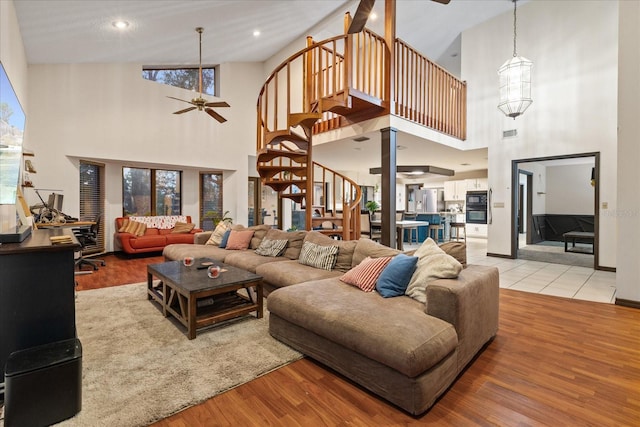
(151, 192)
(92, 198)
(185, 78)
(210, 199)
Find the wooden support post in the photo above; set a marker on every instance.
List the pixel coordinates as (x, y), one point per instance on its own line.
(388, 181)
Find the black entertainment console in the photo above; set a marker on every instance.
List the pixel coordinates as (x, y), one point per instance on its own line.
(37, 297)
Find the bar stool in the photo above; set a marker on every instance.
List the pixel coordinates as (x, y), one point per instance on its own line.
(436, 225)
(457, 226)
(411, 217)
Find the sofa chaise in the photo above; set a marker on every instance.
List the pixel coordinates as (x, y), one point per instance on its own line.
(404, 350)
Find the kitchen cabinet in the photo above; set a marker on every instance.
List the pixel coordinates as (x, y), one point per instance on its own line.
(477, 184)
(455, 190)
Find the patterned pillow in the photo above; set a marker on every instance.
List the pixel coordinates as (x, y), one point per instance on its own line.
(183, 227)
(365, 275)
(133, 227)
(239, 240)
(272, 248)
(317, 256)
(218, 233)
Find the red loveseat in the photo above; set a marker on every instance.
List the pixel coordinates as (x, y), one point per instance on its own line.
(154, 238)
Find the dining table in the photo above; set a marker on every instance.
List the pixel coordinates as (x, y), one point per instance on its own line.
(400, 226)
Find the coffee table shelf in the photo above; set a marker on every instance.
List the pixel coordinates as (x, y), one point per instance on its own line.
(181, 288)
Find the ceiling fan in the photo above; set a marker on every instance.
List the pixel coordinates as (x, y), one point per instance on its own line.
(200, 103)
(363, 11)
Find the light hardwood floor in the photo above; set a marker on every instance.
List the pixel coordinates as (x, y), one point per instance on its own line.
(555, 362)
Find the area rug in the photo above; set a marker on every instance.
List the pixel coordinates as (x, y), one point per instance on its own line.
(139, 367)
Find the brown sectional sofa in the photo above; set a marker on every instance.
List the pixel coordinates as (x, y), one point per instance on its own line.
(401, 349)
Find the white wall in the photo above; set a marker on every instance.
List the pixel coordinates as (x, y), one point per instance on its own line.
(569, 190)
(574, 48)
(14, 61)
(627, 212)
(108, 113)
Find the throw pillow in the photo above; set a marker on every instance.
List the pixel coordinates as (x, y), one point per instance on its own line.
(271, 248)
(394, 279)
(239, 240)
(317, 256)
(136, 228)
(183, 227)
(365, 274)
(432, 264)
(225, 239)
(345, 248)
(218, 233)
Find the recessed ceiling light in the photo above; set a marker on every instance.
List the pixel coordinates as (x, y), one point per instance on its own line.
(361, 139)
(256, 33)
(465, 164)
(121, 25)
(373, 16)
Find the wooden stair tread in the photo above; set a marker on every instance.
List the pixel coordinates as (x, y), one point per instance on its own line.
(270, 154)
(269, 171)
(305, 120)
(286, 135)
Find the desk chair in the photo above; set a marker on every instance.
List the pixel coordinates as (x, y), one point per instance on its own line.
(411, 217)
(88, 237)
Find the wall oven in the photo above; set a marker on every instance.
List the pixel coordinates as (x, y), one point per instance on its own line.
(476, 207)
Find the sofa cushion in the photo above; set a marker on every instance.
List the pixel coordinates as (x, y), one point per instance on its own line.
(432, 264)
(394, 279)
(365, 275)
(291, 272)
(239, 239)
(272, 248)
(183, 227)
(368, 248)
(458, 250)
(177, 252)
(148, 242)
(342, 314)
(249, 260)
(295, 239)
(178, 238)
(345, 252)
(318, 256)
(218, 233)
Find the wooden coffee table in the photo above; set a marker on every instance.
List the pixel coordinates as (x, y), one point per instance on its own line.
(189, 295)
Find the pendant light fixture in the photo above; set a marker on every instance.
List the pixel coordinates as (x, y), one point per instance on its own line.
(515, 80)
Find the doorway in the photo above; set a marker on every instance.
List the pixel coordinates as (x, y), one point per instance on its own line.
(552, 196)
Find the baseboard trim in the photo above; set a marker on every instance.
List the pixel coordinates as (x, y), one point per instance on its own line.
(628, 303)
(499, 255)
(611, 269)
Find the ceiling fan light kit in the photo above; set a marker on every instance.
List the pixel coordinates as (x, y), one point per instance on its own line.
(515, 80)
(200, 103)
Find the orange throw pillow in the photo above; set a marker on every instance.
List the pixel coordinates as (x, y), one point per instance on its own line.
(239, 239)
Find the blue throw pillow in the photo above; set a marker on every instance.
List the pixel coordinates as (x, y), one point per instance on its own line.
(225, 238)
(394, 279)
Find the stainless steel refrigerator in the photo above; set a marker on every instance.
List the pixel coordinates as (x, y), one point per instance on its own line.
(429, 200)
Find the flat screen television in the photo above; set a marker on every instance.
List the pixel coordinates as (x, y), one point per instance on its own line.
(12, 122)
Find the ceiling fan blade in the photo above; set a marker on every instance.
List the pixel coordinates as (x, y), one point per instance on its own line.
(442, 1)
(185, 110)
(361, 16)
(217, 104)
(215, 115)
(178, 99)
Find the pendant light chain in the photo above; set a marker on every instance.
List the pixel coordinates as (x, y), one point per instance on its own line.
(515, 2)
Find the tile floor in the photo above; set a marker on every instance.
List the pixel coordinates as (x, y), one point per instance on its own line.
(546, 278)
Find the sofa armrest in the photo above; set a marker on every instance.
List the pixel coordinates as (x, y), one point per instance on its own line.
(201, 237)
(471, 304)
